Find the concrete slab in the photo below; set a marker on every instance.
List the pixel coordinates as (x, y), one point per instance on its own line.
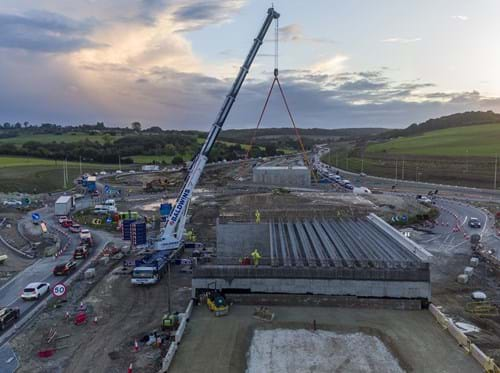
(221, 344)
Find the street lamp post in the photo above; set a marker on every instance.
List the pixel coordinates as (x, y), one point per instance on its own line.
(495, 177)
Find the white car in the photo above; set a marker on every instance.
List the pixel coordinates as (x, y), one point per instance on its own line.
(12, 203)
(102, 173)
(119, 171)
(35, 290)
(424, 199)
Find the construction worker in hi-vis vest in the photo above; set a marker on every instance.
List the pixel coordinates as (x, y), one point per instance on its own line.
(257, 216)
(256, 257)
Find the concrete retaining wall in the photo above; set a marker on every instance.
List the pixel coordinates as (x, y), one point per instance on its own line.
(282, 176)
(380, 289)
(266, 271)
(325, 301)
(239, 239)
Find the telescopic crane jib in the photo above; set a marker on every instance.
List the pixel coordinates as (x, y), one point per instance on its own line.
(171, 236)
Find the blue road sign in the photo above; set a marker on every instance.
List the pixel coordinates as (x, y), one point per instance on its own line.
(107, 189)
(35, 216)
(109, 220)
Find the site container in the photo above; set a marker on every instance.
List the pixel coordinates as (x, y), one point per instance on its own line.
(138, 233)
(126, 228)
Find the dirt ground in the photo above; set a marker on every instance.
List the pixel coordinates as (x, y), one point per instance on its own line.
(124, 313)
(13, 265)
(15, 262)
(218, 175)
(413, 337)
(454, 297)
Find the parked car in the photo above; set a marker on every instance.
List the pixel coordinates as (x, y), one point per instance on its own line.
(95, 193)
(474, 223)
(8, 316)
(67, 223)
(12, 203)
(35, 290)
(424, 199)
(75, 228)
(81, 252)
(64, 269)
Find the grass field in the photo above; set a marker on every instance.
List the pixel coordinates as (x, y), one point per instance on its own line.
(48, 138)
(473, 172)
(473, 141)
(36, 175)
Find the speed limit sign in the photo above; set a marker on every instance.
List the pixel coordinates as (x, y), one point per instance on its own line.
(59, 290)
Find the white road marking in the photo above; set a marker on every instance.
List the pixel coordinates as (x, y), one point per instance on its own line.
(465, 219)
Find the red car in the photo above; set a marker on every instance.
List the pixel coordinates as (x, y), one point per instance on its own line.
(62, 219)
(75, 228)
(67, 223)
(64, 269)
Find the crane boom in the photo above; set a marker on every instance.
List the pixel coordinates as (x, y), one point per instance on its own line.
(171, 236)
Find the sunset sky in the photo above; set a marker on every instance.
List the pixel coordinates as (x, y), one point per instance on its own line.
(357, 63)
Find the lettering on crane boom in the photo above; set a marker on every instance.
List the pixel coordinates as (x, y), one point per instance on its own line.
(179, 206)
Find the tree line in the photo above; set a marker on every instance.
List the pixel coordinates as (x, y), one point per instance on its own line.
(110, 148)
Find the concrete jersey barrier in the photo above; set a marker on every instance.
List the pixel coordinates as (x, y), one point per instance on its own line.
(167, 360)
(485, 361)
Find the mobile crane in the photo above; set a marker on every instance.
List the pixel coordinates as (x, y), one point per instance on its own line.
(171, 237)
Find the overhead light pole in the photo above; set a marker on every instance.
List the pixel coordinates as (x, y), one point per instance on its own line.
(495, 177)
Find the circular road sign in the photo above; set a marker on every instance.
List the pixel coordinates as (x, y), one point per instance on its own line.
(59, 290)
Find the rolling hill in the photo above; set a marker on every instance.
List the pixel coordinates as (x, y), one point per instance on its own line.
(476, 140)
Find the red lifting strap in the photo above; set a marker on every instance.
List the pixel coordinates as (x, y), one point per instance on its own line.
(297, 134)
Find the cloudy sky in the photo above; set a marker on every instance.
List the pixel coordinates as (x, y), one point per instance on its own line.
(357, 63)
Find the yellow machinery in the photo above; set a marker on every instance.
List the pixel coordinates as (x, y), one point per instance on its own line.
(482, 308)
(216, 302)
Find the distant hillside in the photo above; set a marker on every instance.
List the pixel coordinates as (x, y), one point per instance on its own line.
(475, 141)
(469, 118)
(312, 134)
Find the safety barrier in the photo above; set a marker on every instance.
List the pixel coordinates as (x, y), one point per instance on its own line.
(20, 252)
(180, 330)
(485, 361)
(167, 360)
(68, 242)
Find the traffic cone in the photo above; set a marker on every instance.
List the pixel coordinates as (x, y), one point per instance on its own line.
(136, 346)
(129, 370)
